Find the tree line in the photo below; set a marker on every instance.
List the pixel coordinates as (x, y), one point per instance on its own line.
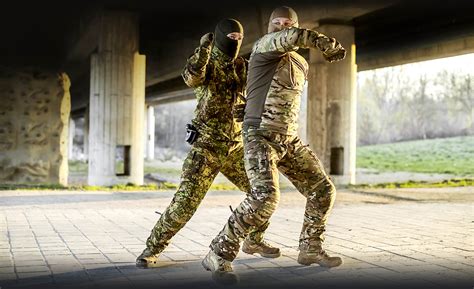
(394, 106)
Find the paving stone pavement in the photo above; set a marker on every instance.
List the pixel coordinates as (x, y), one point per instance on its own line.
(63, 239)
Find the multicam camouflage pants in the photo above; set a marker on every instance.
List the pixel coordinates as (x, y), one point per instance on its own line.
(204, 161)
(265, 153)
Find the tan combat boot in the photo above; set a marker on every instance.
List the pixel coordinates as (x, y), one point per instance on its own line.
(263, 248)
(147, 259)
(315, 254)
(221, 269)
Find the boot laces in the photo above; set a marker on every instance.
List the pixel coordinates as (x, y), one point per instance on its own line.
(323, 253)
(316, 248)
(262, 243)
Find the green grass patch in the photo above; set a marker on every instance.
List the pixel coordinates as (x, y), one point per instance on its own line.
(125, 187)
(9, 187)
(419, 184)
(78, 167)
(442, 156)
(82, 167)
(167, 171)
(223, 187)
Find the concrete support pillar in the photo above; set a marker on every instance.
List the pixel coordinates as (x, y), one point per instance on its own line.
(70, 144)
(331, 129)
(86, 134)
(150, 133)
(35, 111)
(117, 101)
(303, 118)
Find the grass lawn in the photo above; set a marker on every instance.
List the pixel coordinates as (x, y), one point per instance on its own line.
(164, 171)
(419, 184)
(78, 167)
(437, 156)
(81, 167)
(443, 156)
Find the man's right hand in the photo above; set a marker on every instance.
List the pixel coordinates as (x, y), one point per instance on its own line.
(239, 112)
(206, 39)
(335, 54)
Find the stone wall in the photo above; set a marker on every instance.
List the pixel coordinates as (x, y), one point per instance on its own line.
(34, 115)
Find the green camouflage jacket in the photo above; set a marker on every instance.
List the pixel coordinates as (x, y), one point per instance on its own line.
(219, 85)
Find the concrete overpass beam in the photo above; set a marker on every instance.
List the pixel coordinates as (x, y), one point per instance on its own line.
(421, 52)
(331, 110)
(117, 101)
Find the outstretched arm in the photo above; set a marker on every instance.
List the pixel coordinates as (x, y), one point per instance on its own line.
(291, 38)
(194, 72)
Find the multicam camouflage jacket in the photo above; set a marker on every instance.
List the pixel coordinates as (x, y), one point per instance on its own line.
(219, 85)
(277, 74)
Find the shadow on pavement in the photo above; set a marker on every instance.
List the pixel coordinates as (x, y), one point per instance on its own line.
(192, 275)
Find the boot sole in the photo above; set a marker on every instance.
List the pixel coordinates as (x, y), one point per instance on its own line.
(146, 264)
(307, 262)
(217, 276)
(204, 264)
(266, 255)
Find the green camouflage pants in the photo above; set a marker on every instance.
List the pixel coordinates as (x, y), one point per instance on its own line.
(265, 153)
(205, 160)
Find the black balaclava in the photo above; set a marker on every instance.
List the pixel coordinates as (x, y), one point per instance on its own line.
(283, 11)
(229, 46)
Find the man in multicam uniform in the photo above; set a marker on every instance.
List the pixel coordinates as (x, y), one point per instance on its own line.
(275, 82)
(218, 77)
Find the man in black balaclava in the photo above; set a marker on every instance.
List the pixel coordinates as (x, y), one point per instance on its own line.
(218, 77)
(229, 34)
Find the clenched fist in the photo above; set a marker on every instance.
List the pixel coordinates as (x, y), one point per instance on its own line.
(339, 55)
(206, 39)
(239, 112)
(335, 54)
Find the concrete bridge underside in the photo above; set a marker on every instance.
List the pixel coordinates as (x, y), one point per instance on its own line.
(126, 55)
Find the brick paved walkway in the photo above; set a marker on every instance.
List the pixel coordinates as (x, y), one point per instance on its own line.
(84, 239)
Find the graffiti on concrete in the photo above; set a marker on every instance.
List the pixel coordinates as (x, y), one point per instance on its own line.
(34, 116)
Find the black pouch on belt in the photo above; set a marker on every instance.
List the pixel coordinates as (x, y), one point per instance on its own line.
(191, 133)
